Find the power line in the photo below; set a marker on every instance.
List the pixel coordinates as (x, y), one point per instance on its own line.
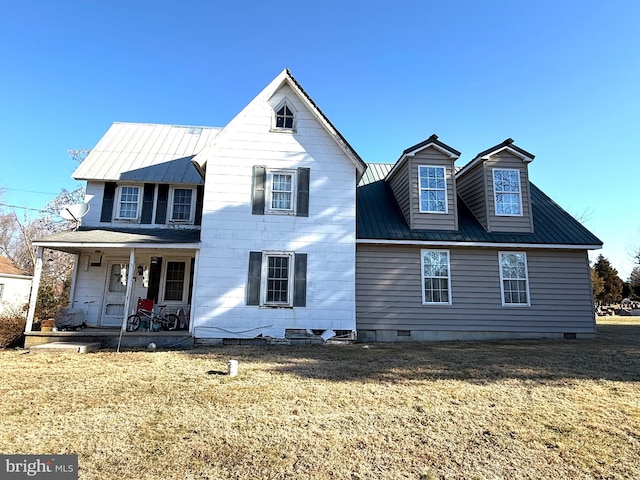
(27, 191)
(23, 208)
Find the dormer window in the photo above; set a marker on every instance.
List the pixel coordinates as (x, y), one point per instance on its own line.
(284, 117)
(128, 203)
(506, 187)
(433, 189)
(182, 205)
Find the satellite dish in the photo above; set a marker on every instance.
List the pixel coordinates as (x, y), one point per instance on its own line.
(74, 212)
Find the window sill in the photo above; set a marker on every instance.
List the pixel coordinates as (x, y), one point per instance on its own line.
(282, 130)
(280, 212)
(276, 306)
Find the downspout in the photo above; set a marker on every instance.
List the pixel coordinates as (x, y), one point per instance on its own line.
(35, 286)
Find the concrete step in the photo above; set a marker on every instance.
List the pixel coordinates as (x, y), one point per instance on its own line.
(77, 347)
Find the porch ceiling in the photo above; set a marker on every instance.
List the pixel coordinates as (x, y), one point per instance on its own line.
(93, 237)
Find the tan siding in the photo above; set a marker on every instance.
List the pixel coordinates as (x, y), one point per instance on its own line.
(522, 223)
(432, 221)
(389, 297)
(471, 188)
(399, 184)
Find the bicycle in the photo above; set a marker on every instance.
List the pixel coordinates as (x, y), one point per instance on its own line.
(166, 322)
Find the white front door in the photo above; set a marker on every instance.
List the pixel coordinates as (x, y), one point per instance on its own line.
(115, 293)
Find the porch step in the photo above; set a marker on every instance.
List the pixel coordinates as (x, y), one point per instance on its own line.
(77, 347)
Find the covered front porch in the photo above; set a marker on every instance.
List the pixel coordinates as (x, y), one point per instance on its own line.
(113, 268)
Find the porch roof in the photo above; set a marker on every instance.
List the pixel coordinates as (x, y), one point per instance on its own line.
(94, 237)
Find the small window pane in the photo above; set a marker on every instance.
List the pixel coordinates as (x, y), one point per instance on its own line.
(506, 184)
(277, 279)
(432, 189)
(281, 191)
(284, 118)
(182, 198)
(174, 284)
(129, 202)
(514, 278)
(435, 265)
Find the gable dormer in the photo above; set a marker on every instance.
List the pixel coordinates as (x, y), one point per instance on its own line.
(495, 187)
(424, 185)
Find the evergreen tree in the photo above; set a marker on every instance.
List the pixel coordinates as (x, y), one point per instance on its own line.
(597, 285)
(612, 284)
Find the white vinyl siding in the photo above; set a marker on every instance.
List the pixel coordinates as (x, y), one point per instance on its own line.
(507, 192)
(433, 189)
(514, 279)
(128, 203)
(436, 280)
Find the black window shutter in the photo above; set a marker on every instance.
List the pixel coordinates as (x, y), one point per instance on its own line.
(147, 203)
(107, 201)
(300, 280)
(302, 209)
(253, 282)
(199, 201)
(259, 181)
(163, 200)
(155, 270)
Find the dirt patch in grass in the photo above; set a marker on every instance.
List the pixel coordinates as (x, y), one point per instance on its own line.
(525, 409)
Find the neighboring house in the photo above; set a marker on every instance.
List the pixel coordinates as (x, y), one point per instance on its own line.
(260, 228)
(15, 287)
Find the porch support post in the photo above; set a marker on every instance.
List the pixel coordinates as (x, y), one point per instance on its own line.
(74, 277)
(35, 286)
(193, 291)
(127, 300)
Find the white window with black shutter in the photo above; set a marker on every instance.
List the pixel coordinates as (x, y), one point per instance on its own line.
(280, 191)
(277, 279)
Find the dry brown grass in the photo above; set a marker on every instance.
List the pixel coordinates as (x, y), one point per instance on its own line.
(525, 409)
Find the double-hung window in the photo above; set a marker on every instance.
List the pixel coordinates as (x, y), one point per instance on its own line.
(175, 280)
(281, 191)
(277, 279)
(182, 205)
(514, 278)
(433, 189)
(436, 279)
(128, 203)
(506, 187)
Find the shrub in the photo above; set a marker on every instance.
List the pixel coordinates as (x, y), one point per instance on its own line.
(12, 325)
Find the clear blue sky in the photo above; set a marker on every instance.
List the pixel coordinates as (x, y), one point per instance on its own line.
(562, 78)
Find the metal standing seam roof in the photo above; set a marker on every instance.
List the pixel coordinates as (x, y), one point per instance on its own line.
(142, 152)
(379, 218)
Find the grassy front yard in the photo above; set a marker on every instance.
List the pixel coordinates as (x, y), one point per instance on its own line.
(525, 409)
